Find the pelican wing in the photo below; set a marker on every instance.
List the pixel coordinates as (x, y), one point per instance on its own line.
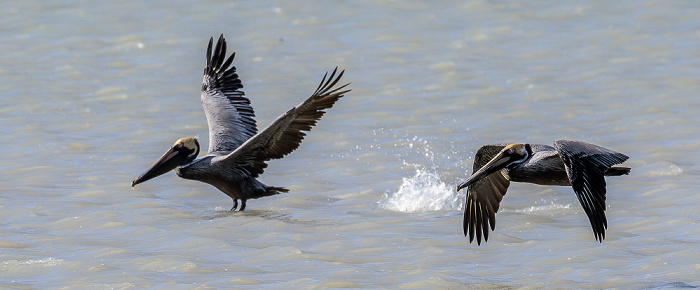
(229, 114)
(585, 166)
(484, 196)
(287, 131)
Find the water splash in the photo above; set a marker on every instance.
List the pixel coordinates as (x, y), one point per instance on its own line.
(424, 191)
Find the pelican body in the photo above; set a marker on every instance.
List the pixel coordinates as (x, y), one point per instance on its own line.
(581, 165)
(237, 151)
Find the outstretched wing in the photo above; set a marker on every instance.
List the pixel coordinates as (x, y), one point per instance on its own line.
(229, 114)
(287, 131)
(586, 165)
(484, 196)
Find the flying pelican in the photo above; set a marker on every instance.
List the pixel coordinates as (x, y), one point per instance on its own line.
(578, 164)
(237, 151)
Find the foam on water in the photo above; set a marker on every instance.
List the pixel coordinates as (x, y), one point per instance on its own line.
(424, 191)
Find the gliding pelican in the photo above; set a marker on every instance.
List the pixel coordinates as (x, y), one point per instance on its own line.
(237, 151)
(578, 164)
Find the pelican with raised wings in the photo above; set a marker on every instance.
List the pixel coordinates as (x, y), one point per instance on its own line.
(237, 151)
(578, 164)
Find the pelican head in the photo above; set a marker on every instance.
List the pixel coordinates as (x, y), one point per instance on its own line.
(183, 151)
(509, 157)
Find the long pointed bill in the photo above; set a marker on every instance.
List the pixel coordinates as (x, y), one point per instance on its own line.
(498, 162)
(167, 162)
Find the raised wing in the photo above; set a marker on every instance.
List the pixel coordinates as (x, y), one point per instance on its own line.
(586, 165)
(229, 114)
(287, 131)
(484, 196)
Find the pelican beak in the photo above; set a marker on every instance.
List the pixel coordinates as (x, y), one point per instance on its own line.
(500, 161)
(171, 159)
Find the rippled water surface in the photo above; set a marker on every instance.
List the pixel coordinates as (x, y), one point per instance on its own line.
(92, 93)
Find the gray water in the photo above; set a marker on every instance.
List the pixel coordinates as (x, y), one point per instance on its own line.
(92, 93)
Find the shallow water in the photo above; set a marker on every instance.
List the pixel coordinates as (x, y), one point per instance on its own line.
(92, 93)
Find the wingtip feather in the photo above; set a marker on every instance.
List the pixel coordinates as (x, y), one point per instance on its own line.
(211, 43)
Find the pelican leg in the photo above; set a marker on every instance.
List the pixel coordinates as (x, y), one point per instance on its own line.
(242, 205)
(235, 204)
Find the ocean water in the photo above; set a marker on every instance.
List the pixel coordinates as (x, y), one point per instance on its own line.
(92, 93)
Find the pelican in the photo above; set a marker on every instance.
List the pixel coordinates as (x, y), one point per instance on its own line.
(581, 165)
(237, 151)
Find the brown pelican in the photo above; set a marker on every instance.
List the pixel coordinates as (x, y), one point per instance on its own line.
(578, 164)
(237, 151)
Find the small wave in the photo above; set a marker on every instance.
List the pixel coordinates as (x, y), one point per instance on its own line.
(664, 169)
(543, 208)
(16, 265)
(424, 191)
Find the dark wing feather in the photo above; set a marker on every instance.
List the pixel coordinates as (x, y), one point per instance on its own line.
(287, 131)
(586, 165)
(229, 114)
(484, 196)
